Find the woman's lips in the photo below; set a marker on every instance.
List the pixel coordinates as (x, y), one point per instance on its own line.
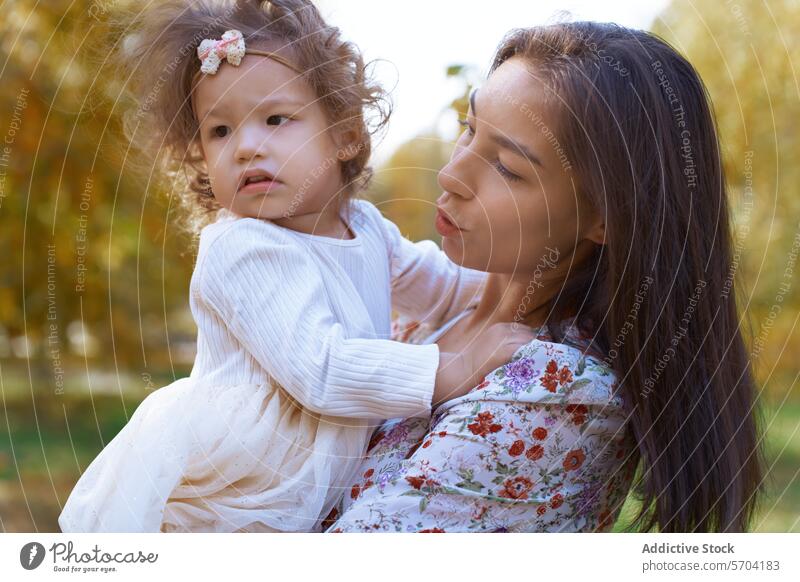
(259, 187)
(444, 226)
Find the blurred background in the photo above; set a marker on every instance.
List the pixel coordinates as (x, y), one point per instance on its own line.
(94, 275)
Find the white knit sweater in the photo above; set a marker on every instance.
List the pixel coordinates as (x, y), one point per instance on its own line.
(292, 361)
(313, 312)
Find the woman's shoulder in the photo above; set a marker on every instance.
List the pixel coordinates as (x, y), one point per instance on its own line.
(565, 371)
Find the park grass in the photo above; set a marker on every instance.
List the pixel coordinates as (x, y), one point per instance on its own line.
(44, 448)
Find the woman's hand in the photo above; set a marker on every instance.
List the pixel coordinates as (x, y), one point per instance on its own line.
(460, 372)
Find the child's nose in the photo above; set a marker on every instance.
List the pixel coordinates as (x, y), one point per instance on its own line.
(251, 144)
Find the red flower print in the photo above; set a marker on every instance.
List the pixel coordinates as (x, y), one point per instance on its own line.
(416, 482)
(516, 449)
(578, 412)
(484, 424)
(426, 444)
(550, 383)
(516, 488)
(443, 433)
(549, 379)
(541, 510)
(552, 376)
(540, 433)
(337, 530)
(557, 501)
(432, 530)
(368, 484)
(355, 491)
(369, 473)
(574, 459)
(535, 452)
(421, 481)
(577, 409)
(480, 513)
(482, 385)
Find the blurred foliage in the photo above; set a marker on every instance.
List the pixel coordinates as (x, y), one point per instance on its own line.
(748, 54)
(405, 188)
(90, 245)
(68, 194)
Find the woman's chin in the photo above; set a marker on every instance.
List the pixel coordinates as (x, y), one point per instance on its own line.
(455, 250)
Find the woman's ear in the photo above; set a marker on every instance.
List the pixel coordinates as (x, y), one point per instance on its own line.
(597, 234)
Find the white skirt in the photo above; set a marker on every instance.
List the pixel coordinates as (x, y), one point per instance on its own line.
(218, 459)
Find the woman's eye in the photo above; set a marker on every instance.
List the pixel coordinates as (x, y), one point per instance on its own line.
(467, 127)
(219, 131)
(277, 119)
(505, 172)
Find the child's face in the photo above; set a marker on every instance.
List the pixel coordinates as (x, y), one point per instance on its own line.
(262, 117)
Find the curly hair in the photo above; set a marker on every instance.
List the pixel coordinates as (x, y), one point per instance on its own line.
(155, 51)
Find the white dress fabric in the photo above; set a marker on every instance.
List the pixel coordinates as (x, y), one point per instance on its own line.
(294, 369)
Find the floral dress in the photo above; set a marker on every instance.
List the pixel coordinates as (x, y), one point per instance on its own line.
(539, 445)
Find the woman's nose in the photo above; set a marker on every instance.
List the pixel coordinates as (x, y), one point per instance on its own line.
(455, 176)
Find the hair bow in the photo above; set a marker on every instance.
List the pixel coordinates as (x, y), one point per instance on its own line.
(211, 52)
(231, 47)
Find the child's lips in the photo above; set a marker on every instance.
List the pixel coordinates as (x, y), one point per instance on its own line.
(258, 187)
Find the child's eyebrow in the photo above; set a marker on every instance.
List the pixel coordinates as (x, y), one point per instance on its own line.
(269, 101)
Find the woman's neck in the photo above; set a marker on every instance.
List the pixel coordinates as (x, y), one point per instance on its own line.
(514, 298)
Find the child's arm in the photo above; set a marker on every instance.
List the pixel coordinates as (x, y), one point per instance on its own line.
(426, 285)
(270, 295)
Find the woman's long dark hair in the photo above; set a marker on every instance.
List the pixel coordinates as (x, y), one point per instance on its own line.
(637, 125)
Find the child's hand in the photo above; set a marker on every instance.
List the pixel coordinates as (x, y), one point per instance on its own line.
(459, 373)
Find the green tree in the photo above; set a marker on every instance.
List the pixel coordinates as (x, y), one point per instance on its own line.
(89, 244)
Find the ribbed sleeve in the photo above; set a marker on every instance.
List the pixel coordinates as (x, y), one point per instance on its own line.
(426, 285)
(272, 298)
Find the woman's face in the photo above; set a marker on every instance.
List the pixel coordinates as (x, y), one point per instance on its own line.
(510, 204)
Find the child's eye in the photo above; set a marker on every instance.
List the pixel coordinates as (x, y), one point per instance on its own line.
(277, 119)
(505, 172)
(219, 131)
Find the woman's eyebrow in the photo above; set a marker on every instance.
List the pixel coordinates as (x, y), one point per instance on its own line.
(517, 148)
(506, 142)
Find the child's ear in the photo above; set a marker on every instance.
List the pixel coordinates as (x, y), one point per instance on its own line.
(348, 144)
(197, 145)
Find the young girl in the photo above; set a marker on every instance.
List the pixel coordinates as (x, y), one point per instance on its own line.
(292, 290)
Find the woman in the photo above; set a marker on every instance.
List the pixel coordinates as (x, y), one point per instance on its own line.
(588, 183)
